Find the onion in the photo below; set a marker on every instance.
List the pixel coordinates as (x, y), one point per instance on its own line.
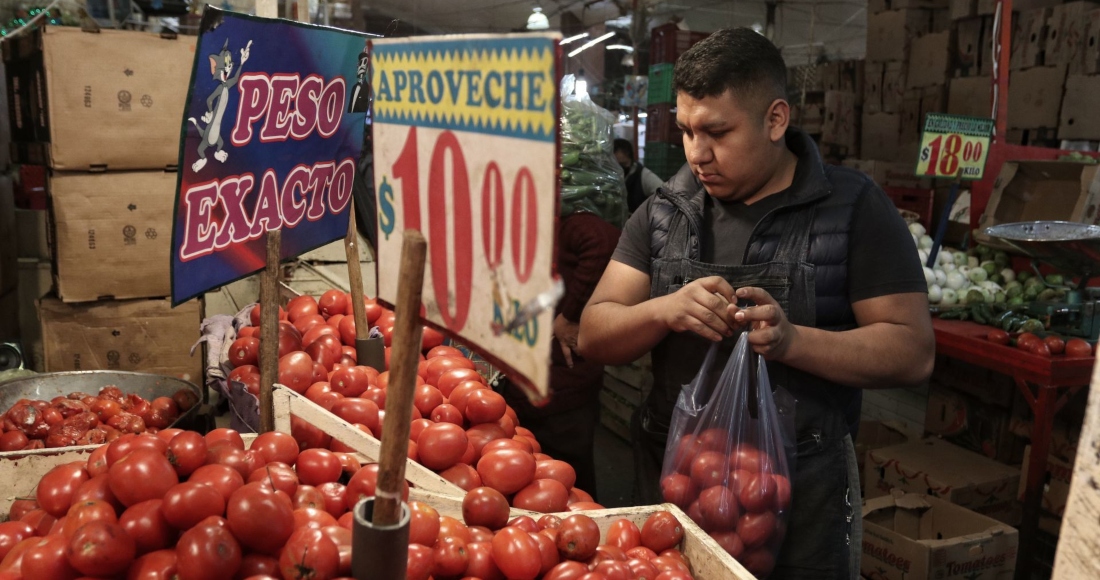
(978, 275)
(926, 242)
(935, 294)
(929, 276)
(973, 261)
(950, 297)
(923, 255)
(917, 229)
(960, 258)
(946, 257)
(1009, 275)
(955, 280)
(941, 277)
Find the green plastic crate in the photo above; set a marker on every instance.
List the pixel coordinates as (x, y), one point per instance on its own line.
(664, 159)
(660, 84)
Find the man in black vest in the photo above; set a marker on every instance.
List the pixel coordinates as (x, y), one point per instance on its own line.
(757, 234)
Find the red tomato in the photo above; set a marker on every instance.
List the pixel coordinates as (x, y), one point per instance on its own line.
(312, 518)
(1025, 340)
(430, 339)
(334, 494)
(506, 470)
(333, 302)
(244, 351)
(782, 492)
(759, 561)
(443, 351)
(1039, 348)
(296, 371)
(308, 436)
(301, 306)
(730, 542)
(426, 399)
(450, 527)
(231, 436)
(624, 534)
(462, 392)
(259, 519)
(441, 445)
(455, 377)
(208, 551)
(481, 435)
(41, 521)
(679, 489)
(557, 470)
(447, 413)
(317, 466)
(341, 538)
(11, 533)
(710, 468)
(463, 476)
(484, 406)
(290, 340)
(997, 336)
(362, 485)
(157, 565)
(21, 507)
(346, 329)
(187, 452)
(758, 493)
(13, 441)
(662, 531)
(85, 512)
(1077, 348)
(746, 458)
(1055, 344)
(222, 478)
(101, 548)
(420, 562)
(56, 489)
(317, 331)
(577, 494)
(543, 496)
(439, 365)
(756, 529)
(258, 565)
(46, 559)
(481, 564)
(324, 359)
(186, 504)
(641, 553)
(424, 522)
(146, 524)
(308, 496)
(578, 537)
(450, 558)
(96, 488)
(485, 506)
(719, 508)
(356, 410)
(517, 554)
(642, 569)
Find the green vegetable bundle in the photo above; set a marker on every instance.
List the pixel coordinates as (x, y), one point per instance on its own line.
(591, 178)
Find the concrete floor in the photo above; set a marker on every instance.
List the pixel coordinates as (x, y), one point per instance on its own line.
(614, 469)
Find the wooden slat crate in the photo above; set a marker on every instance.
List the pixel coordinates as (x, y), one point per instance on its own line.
(707, 559)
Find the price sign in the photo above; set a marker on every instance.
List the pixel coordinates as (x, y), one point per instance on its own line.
(954, 145)
(465, 145)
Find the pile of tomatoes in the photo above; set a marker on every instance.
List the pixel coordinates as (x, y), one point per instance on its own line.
(489, 546)
(83, 419)
(737, 497)
(198, 507)
(461, 428)
(1047, 346)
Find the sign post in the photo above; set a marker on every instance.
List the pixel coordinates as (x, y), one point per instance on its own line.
(466, 153)
(953, 147)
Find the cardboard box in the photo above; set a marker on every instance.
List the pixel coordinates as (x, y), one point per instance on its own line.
(949, 472)
(987, 7)
(893, 86)
(851, 76)
(889, 173)
(1090, 56)
(113, 234)
(1078, 115)
(31, 234)
(961, 9)
(1028, 49)
(968, 46)
(872, 87)
(1035, 97)
(876, 435)
(130, 335)
(985, 60)
(1066, 36)
(106, 100)
(989, 387)
(972, 424)
(910, 120)
(880, 136)
(35, 281)
(877, 6)
(889, 33)
(933, 100)
(1056, 488)
(841, 121)
(1027, 191)
(914, 537)
(971, 96)
(929, 60)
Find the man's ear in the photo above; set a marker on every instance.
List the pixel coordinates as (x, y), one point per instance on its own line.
(777, 119)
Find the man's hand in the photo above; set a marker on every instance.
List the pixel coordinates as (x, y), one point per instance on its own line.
(566, 333)
(770, 333)
(701, 307)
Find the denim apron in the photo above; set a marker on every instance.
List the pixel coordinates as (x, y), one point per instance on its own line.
(819, 532)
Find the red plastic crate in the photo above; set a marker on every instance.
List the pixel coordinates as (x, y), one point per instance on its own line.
(668, 42)
(661, 126)
(918, 201)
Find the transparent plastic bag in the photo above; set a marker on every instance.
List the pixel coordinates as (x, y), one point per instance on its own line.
(729, 456)
(591, 178)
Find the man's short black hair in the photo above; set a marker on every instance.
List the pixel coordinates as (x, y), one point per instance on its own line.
(624, 146)
(739, 60)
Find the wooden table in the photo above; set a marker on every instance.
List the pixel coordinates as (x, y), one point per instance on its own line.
(1046, 383)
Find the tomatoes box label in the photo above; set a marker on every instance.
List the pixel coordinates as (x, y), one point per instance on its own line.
(954, 145)
(466, 152)
(271, 136)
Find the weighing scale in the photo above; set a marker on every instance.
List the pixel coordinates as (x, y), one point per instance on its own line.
(1072, 248)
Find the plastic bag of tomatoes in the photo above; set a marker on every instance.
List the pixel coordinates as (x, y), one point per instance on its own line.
(729, 457)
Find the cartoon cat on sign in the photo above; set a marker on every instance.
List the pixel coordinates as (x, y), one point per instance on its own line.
(221, 67)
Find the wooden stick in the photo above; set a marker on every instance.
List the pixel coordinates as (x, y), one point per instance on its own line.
(403, 364)
(1078, 553)
(269, 331)
(355, 278)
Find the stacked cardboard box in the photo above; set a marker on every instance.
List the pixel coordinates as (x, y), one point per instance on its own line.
(664, 148)
(826, 102)
(98, 113)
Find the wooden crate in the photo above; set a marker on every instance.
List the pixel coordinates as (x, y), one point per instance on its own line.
(707, 559)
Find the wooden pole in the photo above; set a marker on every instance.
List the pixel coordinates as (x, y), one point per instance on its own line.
(1078, 553)
(403, 364)
(355, 279)
(269, 331)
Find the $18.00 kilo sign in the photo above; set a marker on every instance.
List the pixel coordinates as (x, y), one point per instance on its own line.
(465, 144)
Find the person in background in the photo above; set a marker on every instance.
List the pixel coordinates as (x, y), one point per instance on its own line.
(757, 235)
(566, 426)
(640, 181)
